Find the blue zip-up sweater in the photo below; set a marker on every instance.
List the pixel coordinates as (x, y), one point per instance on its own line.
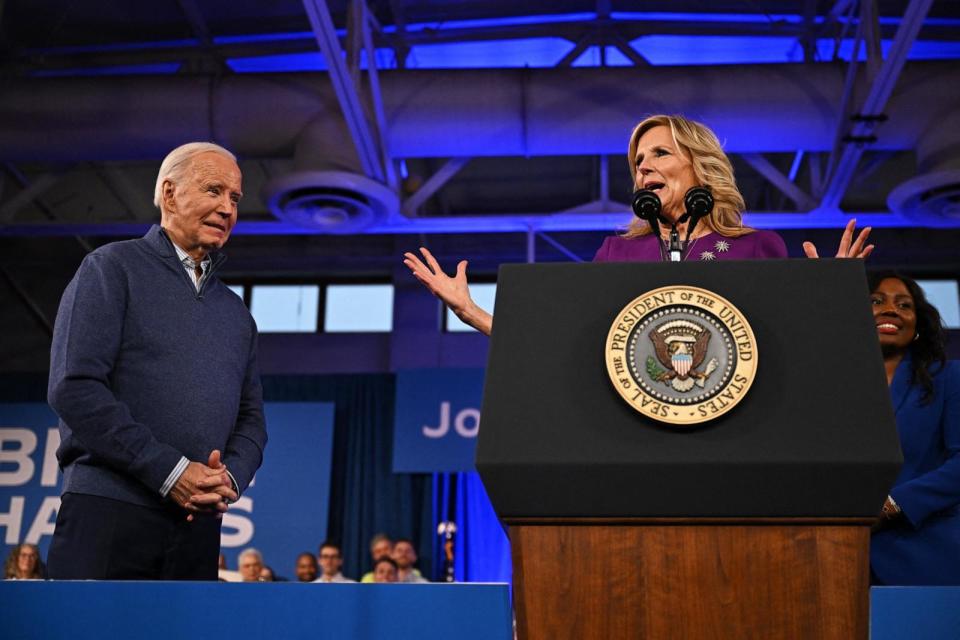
(145, 369)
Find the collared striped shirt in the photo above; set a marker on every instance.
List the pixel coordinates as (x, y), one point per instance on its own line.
(191, 266)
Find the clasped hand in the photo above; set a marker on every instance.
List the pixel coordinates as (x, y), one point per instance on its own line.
(204, 487)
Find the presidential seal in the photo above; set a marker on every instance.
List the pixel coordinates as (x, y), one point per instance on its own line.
(681, 355)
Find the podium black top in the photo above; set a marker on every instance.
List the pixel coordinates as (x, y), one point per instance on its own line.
(815, 436)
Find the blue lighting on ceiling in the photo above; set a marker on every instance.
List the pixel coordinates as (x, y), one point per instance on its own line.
(665, 16)
(706, 50)
(546, 52)
(527, 52)
(269, 37)
(484, 23)
(591, 58)
(759, 18)
(308, 61)
(160, 68)
(312, 61)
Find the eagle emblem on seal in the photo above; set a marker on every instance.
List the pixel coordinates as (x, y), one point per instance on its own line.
(681, 348)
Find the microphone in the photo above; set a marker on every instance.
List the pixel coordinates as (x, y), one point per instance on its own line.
(646, 205)
(698, 202)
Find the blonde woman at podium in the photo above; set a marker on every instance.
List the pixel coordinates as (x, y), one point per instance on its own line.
(918, 539)
(681, 178)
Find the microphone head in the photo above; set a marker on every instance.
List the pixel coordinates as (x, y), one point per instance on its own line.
(646, 205)
(698, 202)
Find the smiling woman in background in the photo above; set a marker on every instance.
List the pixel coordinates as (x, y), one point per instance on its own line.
(918, 539)
(668, 156)
(24, 563)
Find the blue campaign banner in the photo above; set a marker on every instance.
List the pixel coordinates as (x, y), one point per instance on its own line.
(30, 479)
(437, 418)
(282, 513)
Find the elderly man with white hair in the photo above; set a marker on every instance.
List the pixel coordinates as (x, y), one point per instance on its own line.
(153, 375)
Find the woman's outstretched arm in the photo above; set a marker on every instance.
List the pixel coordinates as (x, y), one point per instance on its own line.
(453, 291)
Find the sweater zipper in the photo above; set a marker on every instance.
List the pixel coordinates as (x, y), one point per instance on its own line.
(214, 263)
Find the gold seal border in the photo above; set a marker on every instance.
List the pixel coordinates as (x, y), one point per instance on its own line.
(744, 342)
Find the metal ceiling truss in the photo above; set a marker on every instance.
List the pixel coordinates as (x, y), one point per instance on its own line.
(366, 138)
(401, 38)
(784, 184)
(210, 60)
(856, 128)
(30, 193)
(32, 306)
(433, 184)
(603, 204)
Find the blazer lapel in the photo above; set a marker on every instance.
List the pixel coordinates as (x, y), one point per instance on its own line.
(901, 385)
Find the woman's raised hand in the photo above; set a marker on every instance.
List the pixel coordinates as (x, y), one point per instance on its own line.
(453, 291)
(849, 248)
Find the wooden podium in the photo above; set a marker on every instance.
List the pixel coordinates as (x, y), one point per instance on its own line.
(755, 525)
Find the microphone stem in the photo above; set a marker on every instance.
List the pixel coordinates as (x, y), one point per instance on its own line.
(676, 249)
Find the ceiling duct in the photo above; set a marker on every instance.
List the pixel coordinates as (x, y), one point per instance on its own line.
(327, 192)
(932, 198)
(330, 201)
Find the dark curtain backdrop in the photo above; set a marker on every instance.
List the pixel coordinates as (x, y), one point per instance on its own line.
(365, 496)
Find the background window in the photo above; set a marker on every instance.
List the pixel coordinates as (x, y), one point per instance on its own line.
(352, 308)
(237, 289)
(285, 308)
(483, 295)
(944, 295)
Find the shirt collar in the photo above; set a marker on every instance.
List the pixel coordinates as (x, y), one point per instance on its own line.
(187, 261)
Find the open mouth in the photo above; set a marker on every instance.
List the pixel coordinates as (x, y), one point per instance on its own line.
(887, 327)
(653, 186)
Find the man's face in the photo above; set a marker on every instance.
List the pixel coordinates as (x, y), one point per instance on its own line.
(330, 561)
(404, 554)
(380, 549)
(306, 568)
(200, 209)
(250, 568)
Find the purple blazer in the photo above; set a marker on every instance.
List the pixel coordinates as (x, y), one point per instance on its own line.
(713, 246)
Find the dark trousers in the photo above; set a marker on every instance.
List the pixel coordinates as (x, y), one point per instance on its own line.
(102, 539)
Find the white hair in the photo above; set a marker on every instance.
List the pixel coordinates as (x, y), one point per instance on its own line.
(178, 160)
(250, 551)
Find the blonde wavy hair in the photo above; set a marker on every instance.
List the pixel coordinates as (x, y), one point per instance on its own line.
(711, 166)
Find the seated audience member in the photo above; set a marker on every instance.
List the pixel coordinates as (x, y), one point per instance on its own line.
(306, 568)
(406, 556)
(330, 562)
(917, 541)
(24, 563)
(224, 574)
(250, 563)
(380, 546)
(267, 575)
(385, 570)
